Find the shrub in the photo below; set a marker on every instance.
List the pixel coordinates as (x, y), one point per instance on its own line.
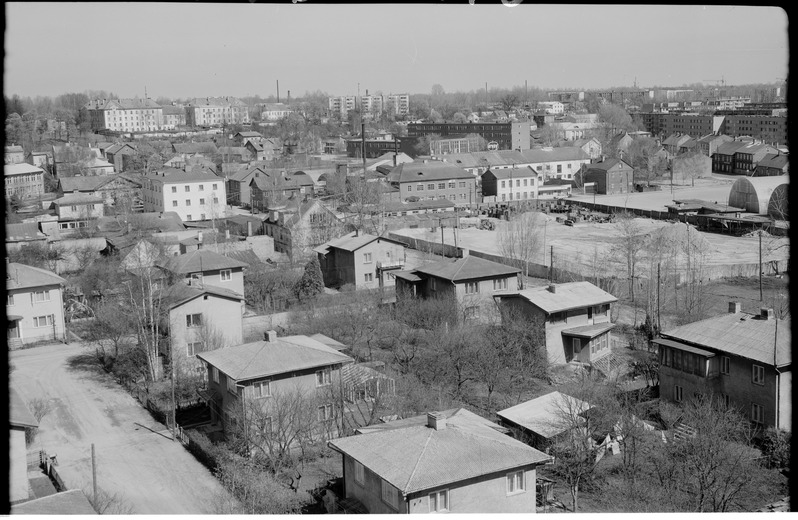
(776, 447)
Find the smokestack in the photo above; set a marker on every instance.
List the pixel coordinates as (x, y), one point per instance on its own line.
(278, 90)
(436, 421)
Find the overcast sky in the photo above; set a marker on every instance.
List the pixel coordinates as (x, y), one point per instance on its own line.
(196, 49)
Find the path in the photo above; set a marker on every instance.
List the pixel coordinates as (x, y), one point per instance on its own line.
(148, 471)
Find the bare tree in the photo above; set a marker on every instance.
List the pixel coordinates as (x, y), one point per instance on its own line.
(629, 246)
(520, 239)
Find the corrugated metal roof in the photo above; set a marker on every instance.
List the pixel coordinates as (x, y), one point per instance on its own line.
(544, 415)
(468, 268)
(573, 295)
(741, 334)
(414, 457)
(264, 358)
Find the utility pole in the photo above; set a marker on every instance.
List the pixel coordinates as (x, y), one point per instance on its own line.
(443, 246)
(659, 284)
(551, 266)
(94, 474)
(760, 266)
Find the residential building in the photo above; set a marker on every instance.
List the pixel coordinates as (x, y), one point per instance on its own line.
(723, 158)
(743, 360)
(673, 143)
(511, 184)
(248, 136)
(508, 136)
(42, 159)
(74, 207)
(34, 305)
(361, 260)
(773, 164)
(271, 372)
(434, 180)
(611, 176)
(273, 112)
(201, 318)
(592, 147)
(709, 143)
(20, 419)
(748, 156)
(464, 144)
(216, 111)
(297, 231)
(174, 117)
(271, 188)
(193, 149)
(14, 154)
(18, 235)
(124, 115)
(770, 129)
(374, 104)
(97, 166)
(194, 195)
(469, 282)
(342, 105)
(620, 143)
(121, 191)
(551, 107)
(375, 147)
(204, 268)
(542, 421)
(443, 462)
(120, 155)
(238, 190)
(23, 180)
(575, 319)
(398, 104)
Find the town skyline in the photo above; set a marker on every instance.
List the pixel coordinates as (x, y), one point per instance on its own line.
(609, 46)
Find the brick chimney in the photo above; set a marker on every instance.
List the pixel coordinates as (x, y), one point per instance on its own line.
(766, 313)
(734, 307)
(270, 336)
(436, 421)
(552, 288)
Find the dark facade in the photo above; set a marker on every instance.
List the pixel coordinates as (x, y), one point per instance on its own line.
(611, 176)
(509, 136)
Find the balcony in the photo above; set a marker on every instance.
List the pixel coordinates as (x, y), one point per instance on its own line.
(390, 264)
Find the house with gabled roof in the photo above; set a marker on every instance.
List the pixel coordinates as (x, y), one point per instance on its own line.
(113, 189)
(773, 164)
(34, 305)
(361, 260)
(575, 317)
(120, 155)
(203, 267)
(673, 142)
(271, 188)
(611, 176)
(23, 180)
(434, 180)
(297, 230)
(723, 158)
(747, 157)
(77, 207)
(20, 234)
(620, 143)
(469, 282)
(266, 372)
(709, 143)
(14, 154)
(452, 461)
(744, 360)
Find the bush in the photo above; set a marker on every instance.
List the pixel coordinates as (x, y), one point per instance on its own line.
(776, 447)
(205, 451)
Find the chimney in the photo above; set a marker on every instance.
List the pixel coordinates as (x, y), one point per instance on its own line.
(766, 313)
(552, 288)
(734, 307)
(462, 252)
(436, 421)
(270, 336)
(249, 228)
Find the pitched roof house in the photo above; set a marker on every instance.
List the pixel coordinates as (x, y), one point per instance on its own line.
(296, 231)
(361, 260)
(742, 359)
(450, 461)
(34, 305)
(541, 420)
(203, 267)
(611, 176)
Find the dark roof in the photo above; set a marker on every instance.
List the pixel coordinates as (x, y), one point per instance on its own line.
(24, 231)
(468, 268)
(432, 171)
(607, 164)
(729, 147)
(772, 160)
(91, 182)
(201, 260)
(169, 175)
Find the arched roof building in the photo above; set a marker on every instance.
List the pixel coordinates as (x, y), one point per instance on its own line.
(754, 193)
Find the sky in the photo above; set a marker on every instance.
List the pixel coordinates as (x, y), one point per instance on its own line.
(181, 50)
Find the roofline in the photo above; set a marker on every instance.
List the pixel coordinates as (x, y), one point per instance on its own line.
(716, 350)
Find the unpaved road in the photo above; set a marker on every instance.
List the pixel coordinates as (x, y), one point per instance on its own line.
(147, 471)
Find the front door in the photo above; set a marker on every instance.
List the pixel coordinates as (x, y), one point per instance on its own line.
(577, 347)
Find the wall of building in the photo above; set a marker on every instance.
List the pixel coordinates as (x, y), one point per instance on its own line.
(206, 198)
(462, 192)
(25, 306)
(18, 469)
(214, 278)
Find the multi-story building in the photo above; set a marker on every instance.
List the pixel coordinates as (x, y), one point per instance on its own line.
(23, 180)
(773, 165)
(342, 105)
(173, 117)
(551, 107)
(34, 305)
(272, 112)
(372, 104)
(124, 115)
(297, 231)
(216, 111)
(434, 180)
(748, 156)
(518, 185)
(77, 207)
(770, 129)
(729, 103)
(398, 104)
(196, 194)
(723, 158)
(14, 154)
(361, 260)
(709, 143)
(507, 136)
(205, 268)
(611, 176)
(743, 360)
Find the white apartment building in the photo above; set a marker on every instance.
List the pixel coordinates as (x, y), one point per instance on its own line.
(193, 195)
(124, 115)
(274, 111)
(216, 111)
(551, 107)
(398, 104)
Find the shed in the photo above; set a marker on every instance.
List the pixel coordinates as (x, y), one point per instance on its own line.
(754, 193)
(541, 419)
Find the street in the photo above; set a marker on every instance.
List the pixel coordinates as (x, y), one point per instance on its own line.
(136, 460)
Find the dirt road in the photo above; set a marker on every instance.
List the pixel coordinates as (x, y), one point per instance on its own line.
(136, 459)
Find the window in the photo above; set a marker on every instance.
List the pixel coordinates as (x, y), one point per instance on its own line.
(215, 374)
(503, 184)
(261, 389)
(576, 343)
(500, 284)
(213, 187)
(463, 184)
(439, 501)
(216, 200)
(323, 377)
(202, 216)
(193, 348)
(420, 187)
(430, 186)
(202, 202)
(389, 496)
(40, 296)
(202, 187)
(559, 168)
(43, 321)
(188, 189)
(409, 188)
(325, 412)
(368, 277)
(10, 299)
(472, 287)
(441, 185)
(188, 217)
(193, 320)
(366, 258)
(515, 482)
(451, 184)
(231, 385)
(757, 413)
(677, 393)
(360, 473)
(174, 189)
(758, 375)
(225, 275)
(174, 203)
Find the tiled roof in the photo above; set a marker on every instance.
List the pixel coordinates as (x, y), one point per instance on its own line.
(126, 104)
(125, 147)
(201, 260)
(352, 242)
(544, 415)
(413, 457)
(468, 268)
(742, 334)
(432, 171)
(20, 169)
(573, 295)
(88, 183)
(264, 358)
(21, 276)
(508, 173)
